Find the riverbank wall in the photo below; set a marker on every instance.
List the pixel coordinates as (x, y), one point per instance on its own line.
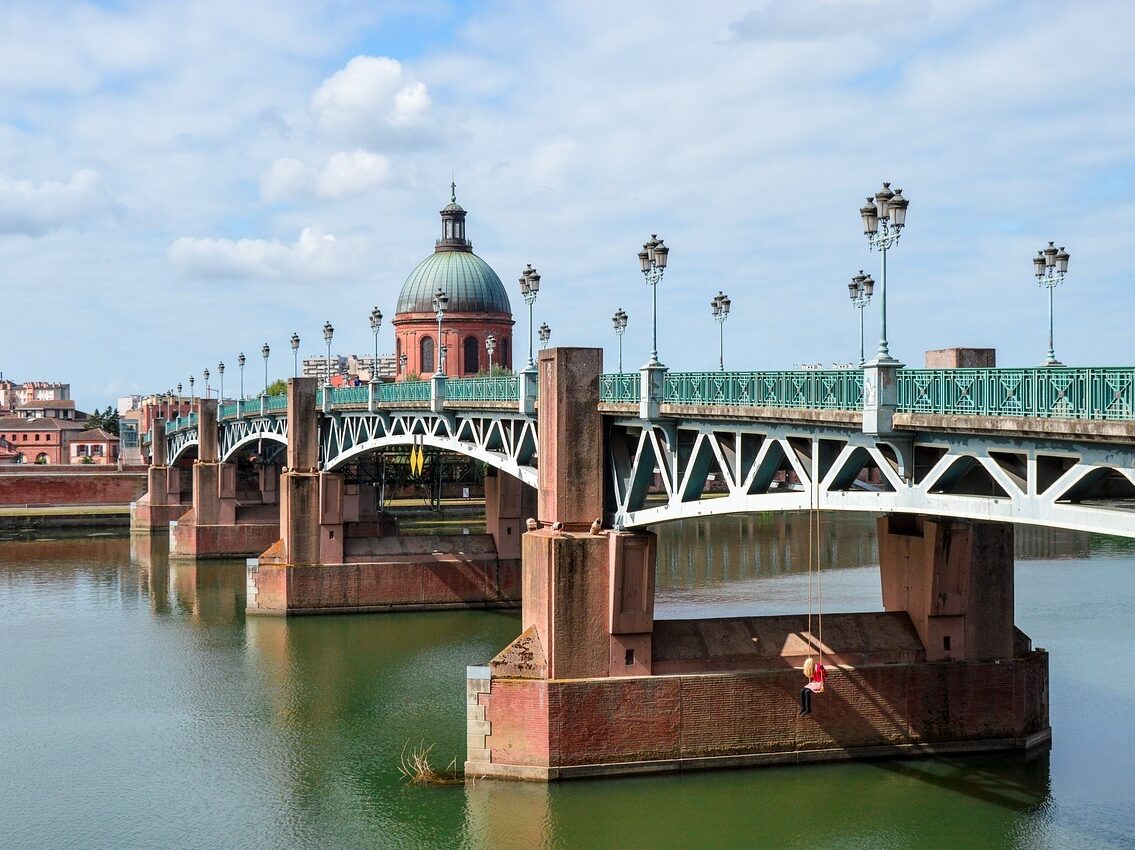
(27, 487)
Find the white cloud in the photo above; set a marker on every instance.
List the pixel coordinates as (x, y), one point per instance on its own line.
(33, 209)
(345, 173)
(314, 255)
(368, 99)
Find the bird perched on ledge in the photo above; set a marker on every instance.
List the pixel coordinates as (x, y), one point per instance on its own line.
(531, 524)
(597, 526)
(558, 527)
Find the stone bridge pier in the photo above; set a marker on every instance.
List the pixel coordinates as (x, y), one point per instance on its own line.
(336, 553)
(161, 503)
(594, 685)
(217, 525)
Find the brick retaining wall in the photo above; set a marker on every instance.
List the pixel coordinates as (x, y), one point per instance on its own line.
(70, 488)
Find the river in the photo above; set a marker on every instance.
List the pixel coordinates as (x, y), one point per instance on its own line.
(140, 708)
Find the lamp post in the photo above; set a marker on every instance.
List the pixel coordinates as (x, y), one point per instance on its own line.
(375, 324)
(884, 217)
(328, 333)
(545, 334)
(295, 354)
(441, 301)
(179, 399)
(264, 352)
(221, 372)
(490, 347)
(1050, 266)
(653, 258)
(206, 373)
(529, 288)
(444, 353)
(192, 397)
(240, 362)
(402, 359)
(619, 320)
(719, 307)
(860, 289)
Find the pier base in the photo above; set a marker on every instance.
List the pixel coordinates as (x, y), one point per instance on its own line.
(545, 730)
(411, 573)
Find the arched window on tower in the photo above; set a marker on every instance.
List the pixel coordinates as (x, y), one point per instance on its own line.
(506, 361)
(472, 350)
(426, 356)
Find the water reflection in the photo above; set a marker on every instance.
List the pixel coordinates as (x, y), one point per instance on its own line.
(139, 700)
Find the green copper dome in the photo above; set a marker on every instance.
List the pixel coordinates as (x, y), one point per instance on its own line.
(470, 283)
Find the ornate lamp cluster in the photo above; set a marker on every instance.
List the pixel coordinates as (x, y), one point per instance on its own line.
(619, 320)
(652, 259)
(884, 218)
(1050, 265)
(861, 288)
(719, 307)
(529, 289)
(441, 304)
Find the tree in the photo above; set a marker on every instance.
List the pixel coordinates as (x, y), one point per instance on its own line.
(106, 419)
(278, 387)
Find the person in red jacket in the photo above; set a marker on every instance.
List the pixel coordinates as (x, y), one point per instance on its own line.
(816, 674)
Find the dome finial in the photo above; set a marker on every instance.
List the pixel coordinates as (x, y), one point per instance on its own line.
(453, 192)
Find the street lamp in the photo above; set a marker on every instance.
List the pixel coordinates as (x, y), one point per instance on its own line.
(884, 217)
(402, 359)
(295, 354)
(719, 306)
(240, 362)
(1050, 266)
(652, 258)
(206, 373)
(619, 320)
(860, 289)
(441, 301)
(444, 352)
(375, 324)
(264, 352)
(179, 399)
(192, 398)
(529, 287)
(545, 335)
(490, 347)
(328, 333)
(221, 371)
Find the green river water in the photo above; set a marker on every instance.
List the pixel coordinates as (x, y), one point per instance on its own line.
(140, 708)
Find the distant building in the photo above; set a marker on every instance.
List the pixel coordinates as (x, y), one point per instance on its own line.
(127, 403)
(478, 307)
(351, 368)
(38, 440)
(93, 446)
(53, 409)
(14, 394)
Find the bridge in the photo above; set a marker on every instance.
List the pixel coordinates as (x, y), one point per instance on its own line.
(593, 685)
(1044, 446)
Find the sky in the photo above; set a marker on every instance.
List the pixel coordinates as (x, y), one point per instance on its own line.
(182, 182)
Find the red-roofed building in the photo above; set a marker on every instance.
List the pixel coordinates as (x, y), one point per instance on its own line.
(93, 446)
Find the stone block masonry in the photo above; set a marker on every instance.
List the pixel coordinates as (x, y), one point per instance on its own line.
(544, 730)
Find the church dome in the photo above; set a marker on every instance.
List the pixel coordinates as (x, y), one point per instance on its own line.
(470, 283)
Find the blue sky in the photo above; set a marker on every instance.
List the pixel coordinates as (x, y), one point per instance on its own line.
(181, 182)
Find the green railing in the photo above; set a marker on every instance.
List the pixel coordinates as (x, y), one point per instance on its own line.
(404, 391)
(501, 388)
(1047, 393)
(348, 395)
(619, 388)
(834, 389)
(277, 402)
(228, 411)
